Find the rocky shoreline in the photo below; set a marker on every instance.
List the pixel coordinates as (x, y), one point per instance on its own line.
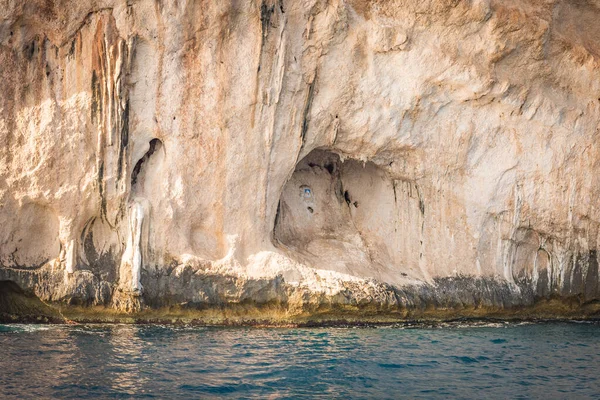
(448, 300)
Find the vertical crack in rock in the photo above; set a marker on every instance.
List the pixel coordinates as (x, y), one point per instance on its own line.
(100, 182)
(306, 112)
(266, 12)
(124, 141)
(277, 218)
(96, 105)
(154, 144)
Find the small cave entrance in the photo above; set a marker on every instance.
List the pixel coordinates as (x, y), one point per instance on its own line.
(350, 217)
(311, 204)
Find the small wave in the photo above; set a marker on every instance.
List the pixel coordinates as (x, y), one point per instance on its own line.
(466, 324)
(23, 328)
(465, 359)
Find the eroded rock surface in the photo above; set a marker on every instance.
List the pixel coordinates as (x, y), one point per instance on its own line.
(311, 154)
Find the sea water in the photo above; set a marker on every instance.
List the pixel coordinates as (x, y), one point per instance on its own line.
(491, 360)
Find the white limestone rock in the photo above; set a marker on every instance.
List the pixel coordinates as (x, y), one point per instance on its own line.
(149, 145)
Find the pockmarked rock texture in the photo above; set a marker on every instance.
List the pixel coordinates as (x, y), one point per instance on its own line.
(311, 156)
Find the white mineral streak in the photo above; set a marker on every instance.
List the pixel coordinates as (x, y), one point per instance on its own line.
(137, 218)
(131, 261)
(308, 143)
(71, 261)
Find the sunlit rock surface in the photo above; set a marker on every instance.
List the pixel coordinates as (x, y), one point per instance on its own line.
(381, 155)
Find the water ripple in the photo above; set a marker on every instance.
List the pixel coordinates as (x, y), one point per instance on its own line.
(498, 360)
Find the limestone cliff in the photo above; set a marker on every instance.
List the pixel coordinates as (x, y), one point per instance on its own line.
(310, 155)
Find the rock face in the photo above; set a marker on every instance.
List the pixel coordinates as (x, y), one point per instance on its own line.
(311, 154)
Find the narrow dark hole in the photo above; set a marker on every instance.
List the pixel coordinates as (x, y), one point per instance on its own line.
(154, 145)
(278, 213)
(31, 50)
(330, 167)
(347, 197)
(310, 209)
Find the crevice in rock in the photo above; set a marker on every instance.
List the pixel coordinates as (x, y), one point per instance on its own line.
(307, 106)
(347, 197)
(265, 17)
(124, 140)
(155, 144)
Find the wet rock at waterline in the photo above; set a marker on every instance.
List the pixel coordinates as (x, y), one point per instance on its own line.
(17, 305)
(340, 157)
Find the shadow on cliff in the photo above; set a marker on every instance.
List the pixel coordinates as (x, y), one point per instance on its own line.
(17, 305)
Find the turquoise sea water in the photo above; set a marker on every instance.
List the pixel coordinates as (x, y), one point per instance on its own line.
(493, 360)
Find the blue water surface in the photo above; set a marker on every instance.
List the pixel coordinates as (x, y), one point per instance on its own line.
(494, 360)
